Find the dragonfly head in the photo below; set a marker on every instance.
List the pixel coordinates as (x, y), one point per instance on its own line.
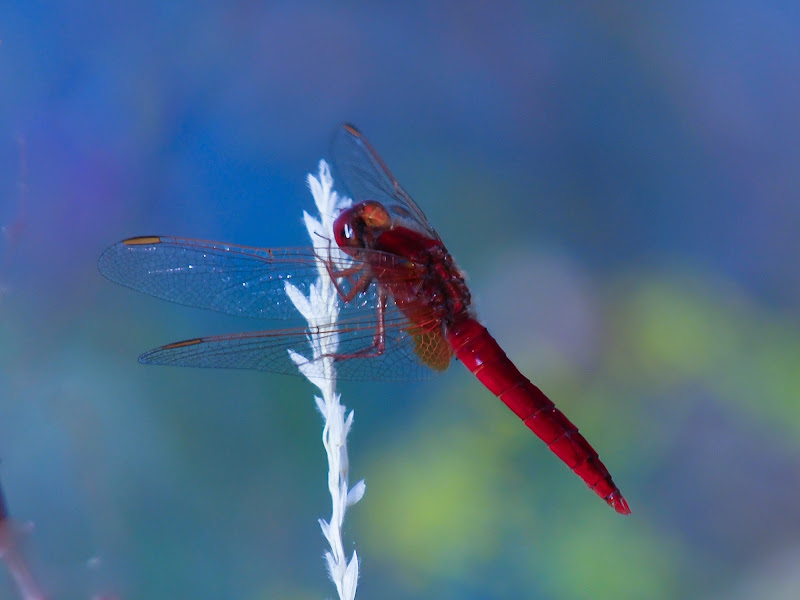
(360, 225)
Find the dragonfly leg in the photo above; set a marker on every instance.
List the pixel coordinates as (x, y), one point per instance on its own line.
(358, 285)
(347, 272)
(378, 345)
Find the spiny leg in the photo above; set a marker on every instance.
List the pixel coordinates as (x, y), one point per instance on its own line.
(378, 346)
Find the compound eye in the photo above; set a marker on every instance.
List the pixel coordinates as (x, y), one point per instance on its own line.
(360, 225)
(375, 215)
(344, 232)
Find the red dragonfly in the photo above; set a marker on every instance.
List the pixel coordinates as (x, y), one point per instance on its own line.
(405, 307)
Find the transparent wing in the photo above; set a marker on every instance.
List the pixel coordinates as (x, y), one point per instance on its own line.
(237, 280)
(367, 177)
(269, 350)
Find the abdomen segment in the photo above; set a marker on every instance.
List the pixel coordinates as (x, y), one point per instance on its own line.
(482, 355)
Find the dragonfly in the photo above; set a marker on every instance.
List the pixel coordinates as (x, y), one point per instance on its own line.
(405, 305)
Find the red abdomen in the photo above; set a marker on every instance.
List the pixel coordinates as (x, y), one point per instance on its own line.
(482, 355)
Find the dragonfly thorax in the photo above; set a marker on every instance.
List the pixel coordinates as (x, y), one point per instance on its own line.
(426, 282)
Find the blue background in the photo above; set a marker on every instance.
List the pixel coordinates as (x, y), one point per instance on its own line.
(619, 180)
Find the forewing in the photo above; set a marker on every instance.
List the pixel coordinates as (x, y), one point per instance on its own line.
(238, 280)
(367, 177)
(358, 356)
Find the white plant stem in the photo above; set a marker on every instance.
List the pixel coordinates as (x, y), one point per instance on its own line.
(321, 309)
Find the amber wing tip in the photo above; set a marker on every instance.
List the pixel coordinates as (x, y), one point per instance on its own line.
(144, 240)
(618, 503)
(351, 129)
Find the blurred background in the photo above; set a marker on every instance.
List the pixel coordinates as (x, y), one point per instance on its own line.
(619, 180)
